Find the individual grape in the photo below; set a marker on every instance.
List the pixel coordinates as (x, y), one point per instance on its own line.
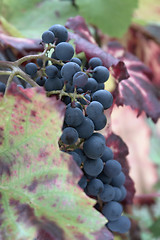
(83, 182)
(51, 71)
(94, 187)
(93, 167)
(88, 176)
(76, 60)
(104, 97)
(107, 194)
(94, 62)
(48, 37)
(101, 86)
(101, 74)
(69, 88)
(31, 69)
(64, 51)
(75, 104)
(86, 128)
(53, 84)
(91, 85)
(69, 136)
(68, 70)
(121, 225)
(60, 32)
(80, 79)
(81, 154)
(66, 99)
(119, 180)
(41, 81)
(76, 158)
(118, 194)
(112, 210)
(104, 178)
(97, 134)
(94, 147)
(73, 116)
(54, 56)
(40, 62)
(94, 109)
(112, 168)
(107, 155)
(80, 90)
(124, 193)
(84, 102)
(100, 122)
(2, 87)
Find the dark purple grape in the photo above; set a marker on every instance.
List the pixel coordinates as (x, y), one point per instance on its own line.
(31, 69)
(94, 62)
(64, 51)
(69, 136)
(60, 33)
(80, 79)
(48, 37)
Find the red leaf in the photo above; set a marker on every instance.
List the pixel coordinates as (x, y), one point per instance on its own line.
(120, 150)
(79, 26)
(20, 44)
(137, 91)
(146, 46)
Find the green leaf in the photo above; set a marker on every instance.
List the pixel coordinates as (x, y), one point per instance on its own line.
(111, 16)
(39, 195)
(154, 142)
(10, 29)
(155, 228)
(33, 17)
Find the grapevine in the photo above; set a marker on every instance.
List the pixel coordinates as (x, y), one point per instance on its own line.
(82, 90)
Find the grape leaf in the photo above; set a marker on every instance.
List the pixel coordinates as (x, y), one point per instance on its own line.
(146, 46)
(120, 150)
(22, 45)
(39, 196)
(155, 228)
(110, 16)
(138, 90)
(31, 11)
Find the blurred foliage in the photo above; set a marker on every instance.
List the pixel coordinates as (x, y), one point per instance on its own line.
(148, 12)
(33, 17)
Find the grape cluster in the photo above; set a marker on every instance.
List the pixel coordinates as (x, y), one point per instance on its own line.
(83, 92)
(86, 102)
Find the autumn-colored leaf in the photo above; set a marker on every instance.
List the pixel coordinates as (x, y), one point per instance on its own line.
(120, 150)
(145, 44)
(39, 195)
(138, 90)
(136, 133)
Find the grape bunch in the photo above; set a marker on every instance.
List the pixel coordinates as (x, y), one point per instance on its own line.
(86, 102)
(83, 91)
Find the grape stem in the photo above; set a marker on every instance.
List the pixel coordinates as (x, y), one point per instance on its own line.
(15, 69)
